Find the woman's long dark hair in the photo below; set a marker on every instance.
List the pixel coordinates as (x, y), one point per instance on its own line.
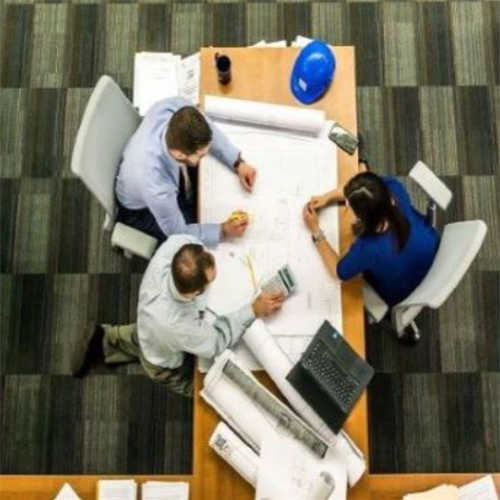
(371, 201)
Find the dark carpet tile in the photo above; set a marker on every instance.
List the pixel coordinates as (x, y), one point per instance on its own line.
(435, 44)
(386, 423)
(294, 19)
(462, 419)
(487, 315)
(154, 27)
(25, 422)
(16, 58)
(491, 410)
(25, 341)
(387, 354)
(424, 449)
(405, 132)
(367, 36)
(477, 148)
(44, 132)
(9, 194)
(65, 435)
(228, 24)
(73, 235)
(86, 47)
(109, 300)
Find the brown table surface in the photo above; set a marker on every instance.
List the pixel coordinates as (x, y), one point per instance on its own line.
(263, 74)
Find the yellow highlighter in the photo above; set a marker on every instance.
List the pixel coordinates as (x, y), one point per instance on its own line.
(238, 215)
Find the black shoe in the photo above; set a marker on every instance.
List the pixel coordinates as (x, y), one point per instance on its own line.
(410, 337)
(88, 351)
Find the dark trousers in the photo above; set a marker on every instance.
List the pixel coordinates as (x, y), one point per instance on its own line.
(144, 220)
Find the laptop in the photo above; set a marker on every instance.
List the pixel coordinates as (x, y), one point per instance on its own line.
(330, 376)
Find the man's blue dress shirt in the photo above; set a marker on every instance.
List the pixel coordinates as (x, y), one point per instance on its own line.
(149, 176)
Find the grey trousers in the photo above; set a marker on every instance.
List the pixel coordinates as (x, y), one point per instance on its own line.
(121, 345)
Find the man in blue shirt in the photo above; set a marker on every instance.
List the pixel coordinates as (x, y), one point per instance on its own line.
(156, 186)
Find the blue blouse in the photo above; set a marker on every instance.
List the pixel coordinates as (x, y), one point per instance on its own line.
(392, 273)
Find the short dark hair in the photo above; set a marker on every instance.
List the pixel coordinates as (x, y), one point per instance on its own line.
(189, 268)
(371, 201)
(188, 131)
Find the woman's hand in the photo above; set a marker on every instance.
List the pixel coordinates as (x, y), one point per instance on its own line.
(318, 202)
(311, 218)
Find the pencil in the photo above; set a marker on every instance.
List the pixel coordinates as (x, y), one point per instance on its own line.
(252, 273)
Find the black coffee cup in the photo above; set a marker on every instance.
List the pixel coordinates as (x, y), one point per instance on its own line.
(223, 66)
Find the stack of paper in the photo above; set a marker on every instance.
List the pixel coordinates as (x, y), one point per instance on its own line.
(156, 490)
(444, 492)
(67, 493)
(158, 75)
(482, 489)
(117, 489)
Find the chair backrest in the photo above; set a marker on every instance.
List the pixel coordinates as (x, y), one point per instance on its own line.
(460, 243)
(431, 184)
(108, 123)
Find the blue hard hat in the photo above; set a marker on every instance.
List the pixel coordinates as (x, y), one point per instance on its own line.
(312, 72)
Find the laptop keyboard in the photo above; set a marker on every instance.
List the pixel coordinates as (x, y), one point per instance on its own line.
(329, 376)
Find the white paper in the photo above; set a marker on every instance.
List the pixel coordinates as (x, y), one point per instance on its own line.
(162, 490)
(117, 489)
(277, 234)
(235, 452)
(156, 77)
(288, 470)
(481, 489)
(67, 493)
(443, 492)
(269, 115)
(189, 78)
(301, 41)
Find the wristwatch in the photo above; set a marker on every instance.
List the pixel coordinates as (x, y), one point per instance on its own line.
(319, 236)
(238, 161)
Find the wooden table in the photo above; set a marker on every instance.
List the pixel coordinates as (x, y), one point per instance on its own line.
(263, 74)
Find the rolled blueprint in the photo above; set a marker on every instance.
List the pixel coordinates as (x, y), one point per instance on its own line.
(235, 452)
(264, 114)
(286, 418)
(265, 349)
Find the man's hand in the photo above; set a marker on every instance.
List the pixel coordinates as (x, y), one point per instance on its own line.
(235, 226)
(311, 218)
(266, 303)
(246, 174)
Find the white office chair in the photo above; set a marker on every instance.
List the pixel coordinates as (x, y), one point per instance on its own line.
(460, 243)
(108, 123)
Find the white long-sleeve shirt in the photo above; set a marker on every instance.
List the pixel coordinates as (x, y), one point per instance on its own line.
(169, 324)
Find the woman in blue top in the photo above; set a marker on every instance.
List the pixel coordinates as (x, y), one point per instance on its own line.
(395, 245)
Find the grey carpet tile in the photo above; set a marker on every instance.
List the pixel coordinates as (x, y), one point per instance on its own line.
(13, 120)
(330, 22)
(400, 54)
(261, 22)
(190, 28)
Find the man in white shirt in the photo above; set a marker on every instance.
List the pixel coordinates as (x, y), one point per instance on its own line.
(171, 324)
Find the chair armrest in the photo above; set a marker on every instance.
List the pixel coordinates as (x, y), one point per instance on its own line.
(133, 241)
(431, 184)
(374, 304)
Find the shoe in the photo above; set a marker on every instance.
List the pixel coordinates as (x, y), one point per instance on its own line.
(411, 337)
(88, 351)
